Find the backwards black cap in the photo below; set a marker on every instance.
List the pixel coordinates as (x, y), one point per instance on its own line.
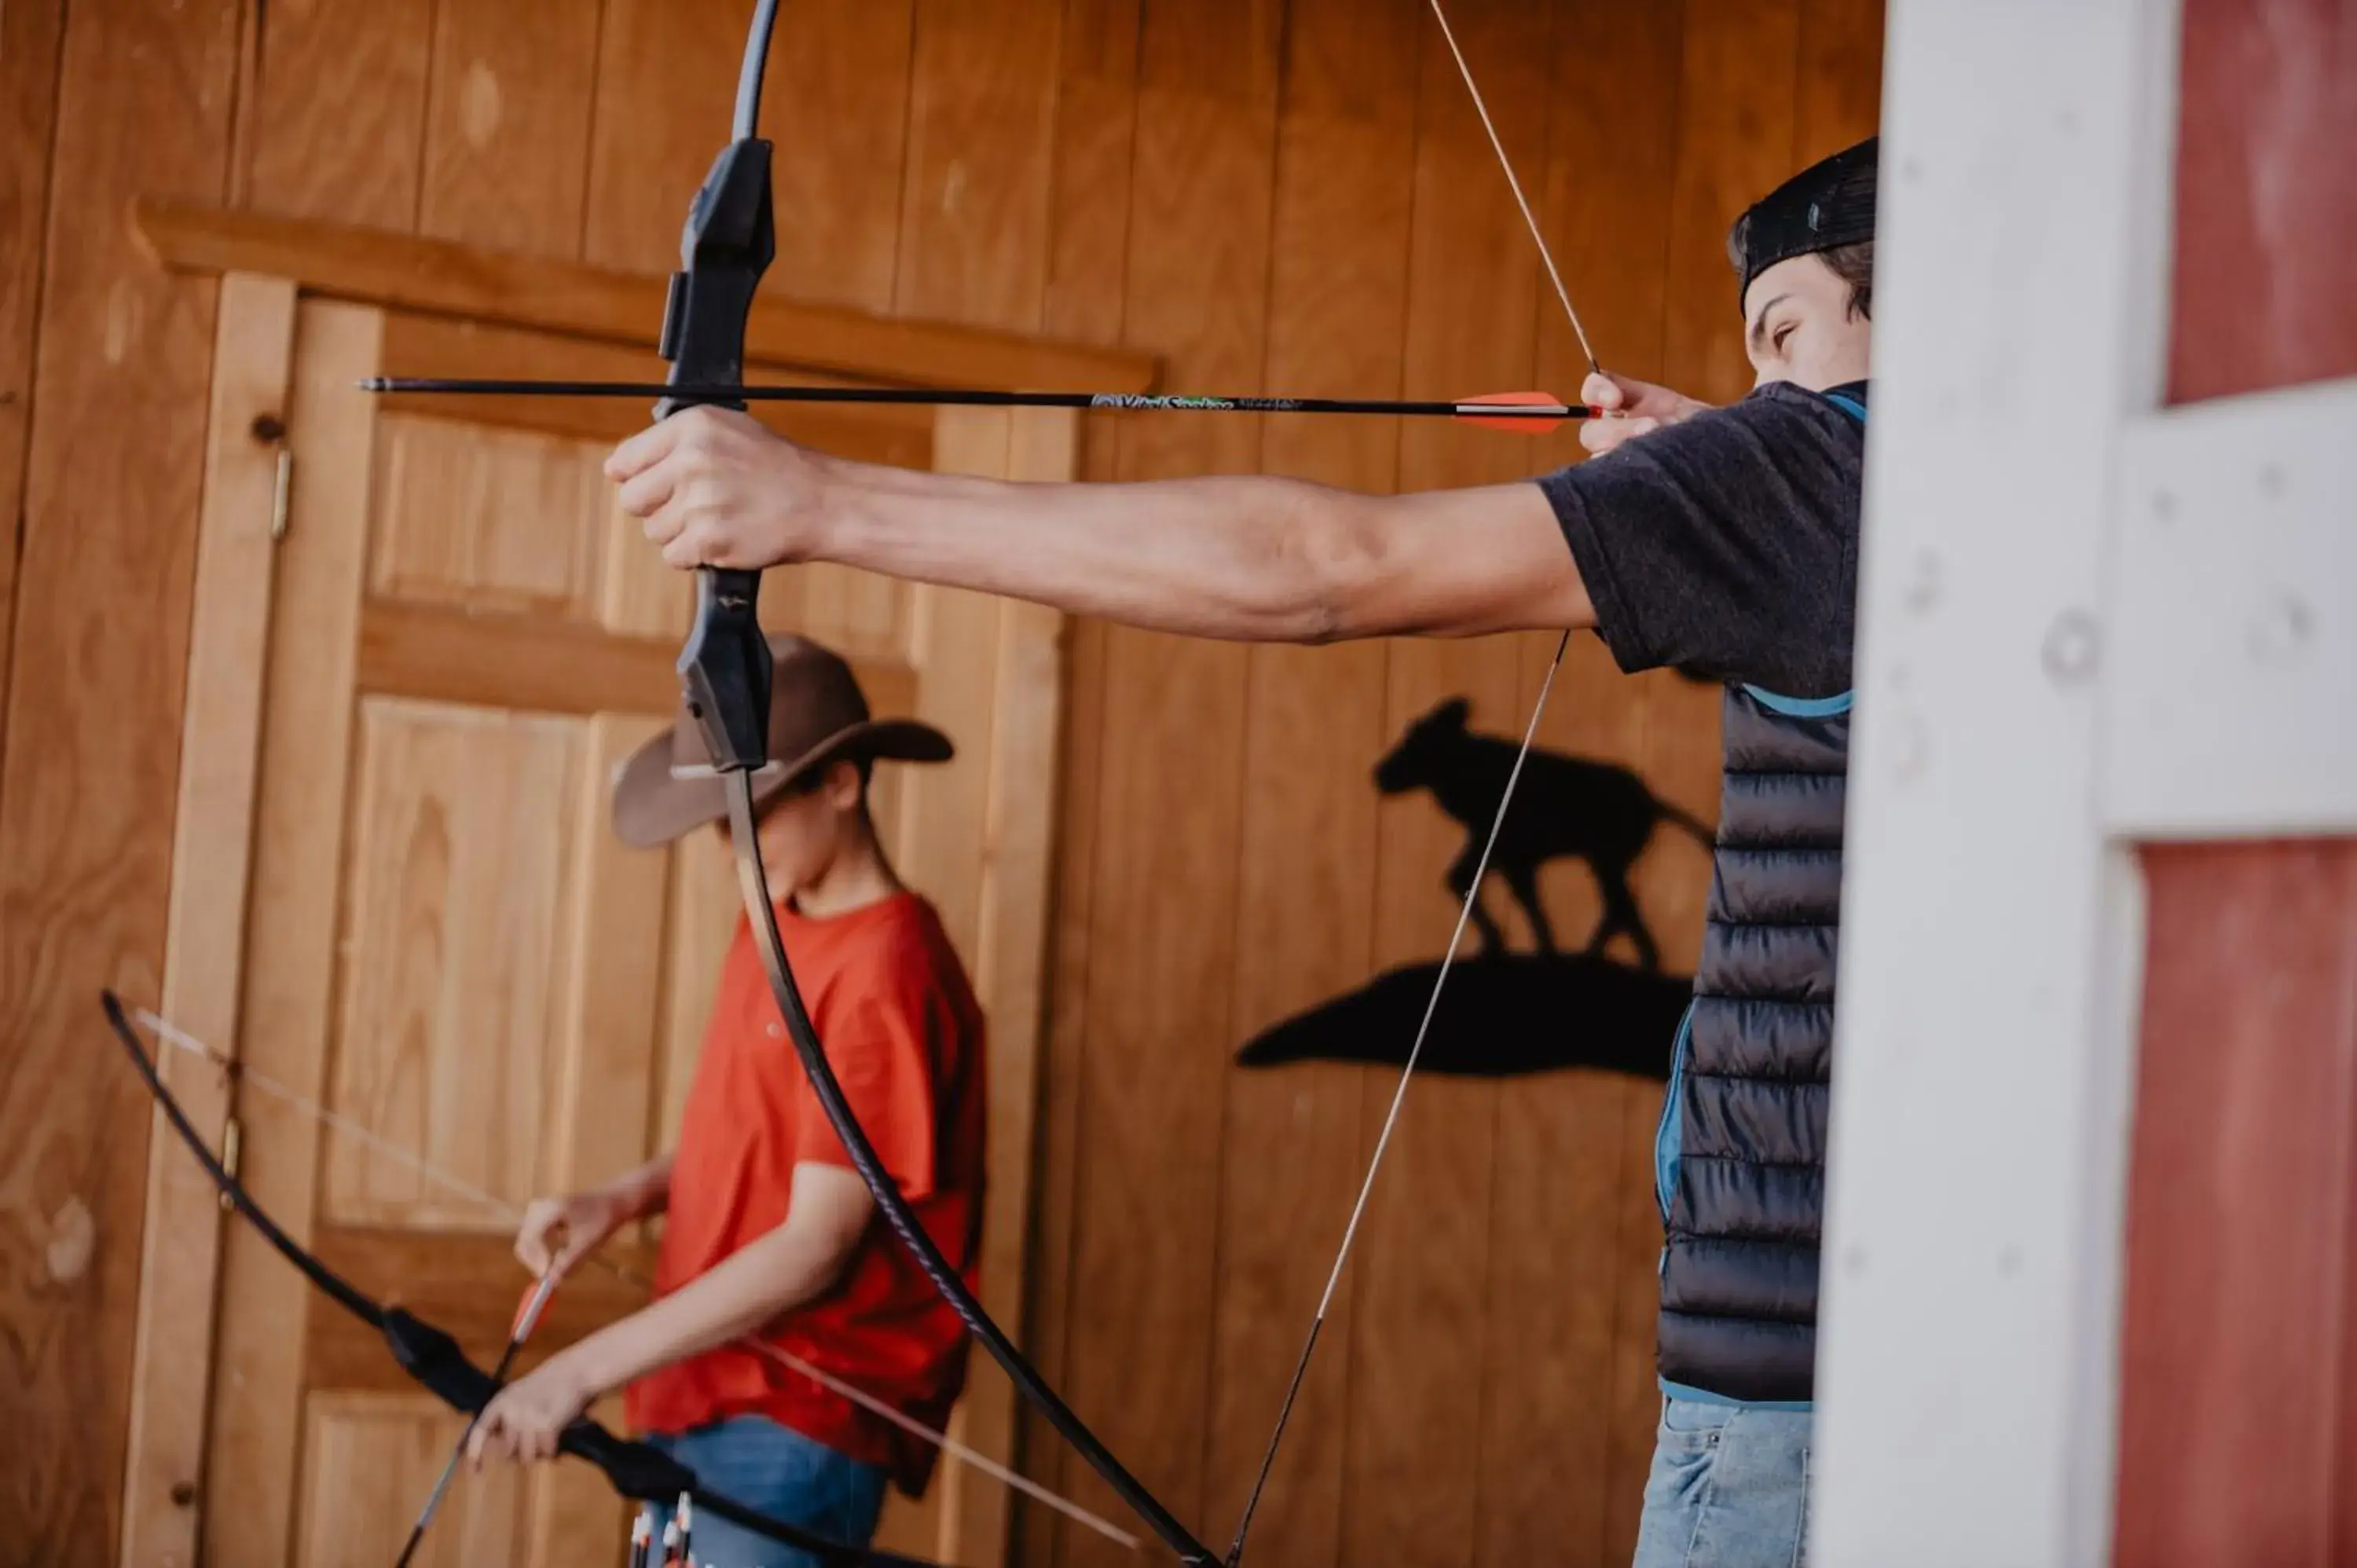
(1824, 207)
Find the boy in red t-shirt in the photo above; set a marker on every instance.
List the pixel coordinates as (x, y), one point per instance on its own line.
(768, 1232)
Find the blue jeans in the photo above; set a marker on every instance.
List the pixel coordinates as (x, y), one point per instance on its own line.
(1730, 1488)
(752, 1460)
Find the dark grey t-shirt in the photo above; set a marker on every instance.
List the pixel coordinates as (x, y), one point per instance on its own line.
(1726, 545)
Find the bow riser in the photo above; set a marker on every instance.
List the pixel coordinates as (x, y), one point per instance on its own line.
(728, 242)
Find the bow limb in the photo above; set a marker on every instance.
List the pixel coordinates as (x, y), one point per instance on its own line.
(724, 672)
(432, 1357)
(345, 1293)
(761, 912)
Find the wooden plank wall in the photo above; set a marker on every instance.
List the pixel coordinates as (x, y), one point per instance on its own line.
(1293, 196)
(101, 534)
(1484, 1393)
(2238, 1419)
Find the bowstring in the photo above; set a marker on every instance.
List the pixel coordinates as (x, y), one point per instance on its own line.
(1481, 869)
(1530, 219)
(1399, 1098)
(164, 1029)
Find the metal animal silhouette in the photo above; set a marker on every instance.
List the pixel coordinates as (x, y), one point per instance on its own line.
(1569, 806)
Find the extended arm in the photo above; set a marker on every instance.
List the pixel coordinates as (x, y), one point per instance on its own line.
(1249, 558)
(1246, 558)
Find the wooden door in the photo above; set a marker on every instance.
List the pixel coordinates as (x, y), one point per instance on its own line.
(431, 660)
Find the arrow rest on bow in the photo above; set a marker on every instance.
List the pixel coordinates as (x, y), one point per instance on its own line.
(729, 240)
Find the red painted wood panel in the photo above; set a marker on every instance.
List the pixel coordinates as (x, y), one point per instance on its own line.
(2238, 1418)
(2265, 277)
(2244, 1162)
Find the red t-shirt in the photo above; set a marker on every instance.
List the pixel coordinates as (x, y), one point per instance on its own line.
(904, 1035)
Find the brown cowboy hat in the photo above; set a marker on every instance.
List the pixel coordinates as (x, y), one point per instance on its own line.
(667, 788)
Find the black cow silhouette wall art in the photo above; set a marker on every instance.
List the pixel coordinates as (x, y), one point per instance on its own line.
(1512, 1013)
(1566, 808)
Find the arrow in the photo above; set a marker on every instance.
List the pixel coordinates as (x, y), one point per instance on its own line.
(1523, 413)
(527, 1318)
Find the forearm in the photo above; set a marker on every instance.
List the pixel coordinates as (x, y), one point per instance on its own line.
(782, 1270)
(1246, 558)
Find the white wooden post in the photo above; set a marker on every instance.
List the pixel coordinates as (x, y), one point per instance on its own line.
(1991, 936)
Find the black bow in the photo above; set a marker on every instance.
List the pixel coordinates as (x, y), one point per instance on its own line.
(430, 1355)
(725, 670)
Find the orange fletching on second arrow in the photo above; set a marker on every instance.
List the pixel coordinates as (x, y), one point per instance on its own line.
(1547, 412)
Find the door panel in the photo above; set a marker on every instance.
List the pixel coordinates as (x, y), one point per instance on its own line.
(490, 519)
(457, 880)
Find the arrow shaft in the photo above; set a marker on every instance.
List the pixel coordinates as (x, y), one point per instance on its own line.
(928, 397)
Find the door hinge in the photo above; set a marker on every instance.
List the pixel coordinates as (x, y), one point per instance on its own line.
(233, 1144)
(279, 490)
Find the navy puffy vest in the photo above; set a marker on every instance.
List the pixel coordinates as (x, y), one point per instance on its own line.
(1742, 1156)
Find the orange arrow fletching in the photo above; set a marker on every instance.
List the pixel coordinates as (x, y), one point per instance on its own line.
(1545, 411)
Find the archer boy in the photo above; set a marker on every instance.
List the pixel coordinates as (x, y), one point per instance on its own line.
(1720, 540)
(767, 1226)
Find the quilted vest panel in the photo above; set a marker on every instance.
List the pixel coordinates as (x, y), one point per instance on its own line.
(1743, 1145)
